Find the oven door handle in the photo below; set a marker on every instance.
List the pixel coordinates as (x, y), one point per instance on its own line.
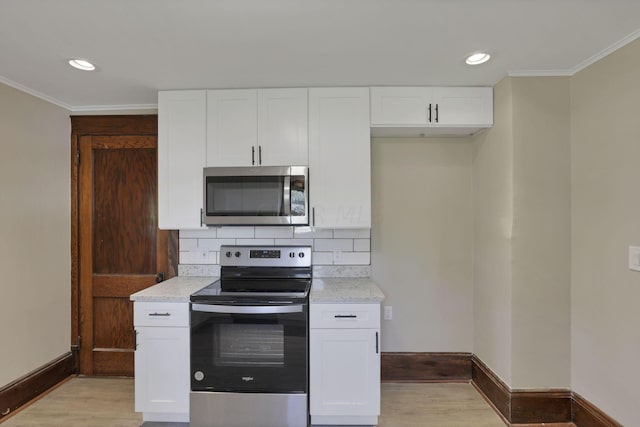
(247, 309)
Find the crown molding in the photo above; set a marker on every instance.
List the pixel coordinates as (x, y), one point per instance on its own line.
(88, 108)
(598, 56)
(35, 93)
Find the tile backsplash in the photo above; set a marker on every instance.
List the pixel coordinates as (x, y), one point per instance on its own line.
(345, 252)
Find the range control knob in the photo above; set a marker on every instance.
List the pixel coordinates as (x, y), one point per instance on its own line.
(198, 375)
(228, 254)
(237, 254)
(292, 254)
(301, 254)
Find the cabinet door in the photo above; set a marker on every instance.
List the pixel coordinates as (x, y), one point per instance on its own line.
(407, 106)
(339, 158)
(465, 106)
(232, 127)
(344, 372)
(282, 127)
(162, 370)
(181, 158)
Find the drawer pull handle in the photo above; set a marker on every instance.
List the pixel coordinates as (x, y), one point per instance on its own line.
(160, 314)
(345, 316)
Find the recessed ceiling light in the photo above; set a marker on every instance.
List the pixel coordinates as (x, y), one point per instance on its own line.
(478, 58)
(82, 64)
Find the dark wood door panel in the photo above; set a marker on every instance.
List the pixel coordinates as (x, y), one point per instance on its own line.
(115, 327)
(124, 206)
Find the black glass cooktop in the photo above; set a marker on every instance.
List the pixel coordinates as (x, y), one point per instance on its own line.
(259, 290)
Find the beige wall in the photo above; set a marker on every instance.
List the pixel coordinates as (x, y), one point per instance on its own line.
(541, 234)
(422, 241)
(522, 235)
(493, 219)
(34, 233)
(605, 144)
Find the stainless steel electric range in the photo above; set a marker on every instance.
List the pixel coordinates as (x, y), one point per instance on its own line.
(249, 340)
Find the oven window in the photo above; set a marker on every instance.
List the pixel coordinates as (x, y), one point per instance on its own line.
(257, 345)
(245, 196)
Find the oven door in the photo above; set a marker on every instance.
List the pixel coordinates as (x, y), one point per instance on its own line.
(240, 348)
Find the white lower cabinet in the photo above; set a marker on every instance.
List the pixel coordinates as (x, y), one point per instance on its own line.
(162, 361)
(344, 364)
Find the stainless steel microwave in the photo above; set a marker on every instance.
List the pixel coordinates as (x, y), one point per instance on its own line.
(256, 195)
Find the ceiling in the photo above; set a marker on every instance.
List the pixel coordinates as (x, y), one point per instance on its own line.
(142, 46)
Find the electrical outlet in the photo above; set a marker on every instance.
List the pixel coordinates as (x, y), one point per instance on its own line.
(388, 312)
(634, 258)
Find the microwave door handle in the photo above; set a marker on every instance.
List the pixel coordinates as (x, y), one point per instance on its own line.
(286, 196)
(245, 309)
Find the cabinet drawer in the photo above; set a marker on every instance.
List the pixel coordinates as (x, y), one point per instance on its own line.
(160, 314)
(344, 316)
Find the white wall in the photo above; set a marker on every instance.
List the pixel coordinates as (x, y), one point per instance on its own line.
(605, 318)
(422, 242)
(493, 219)
(35, 257)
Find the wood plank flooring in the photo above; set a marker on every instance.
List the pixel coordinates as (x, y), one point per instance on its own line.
(101, 402)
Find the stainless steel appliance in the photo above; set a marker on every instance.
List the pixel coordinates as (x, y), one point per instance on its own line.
(249, 340)
(271, 195)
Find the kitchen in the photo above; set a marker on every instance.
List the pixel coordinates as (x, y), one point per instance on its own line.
(583, 288)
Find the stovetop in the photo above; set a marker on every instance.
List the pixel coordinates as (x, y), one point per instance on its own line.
(255, 291)
(259, 274)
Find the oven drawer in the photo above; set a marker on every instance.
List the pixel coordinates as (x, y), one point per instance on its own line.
(350, 316)
(161, 314)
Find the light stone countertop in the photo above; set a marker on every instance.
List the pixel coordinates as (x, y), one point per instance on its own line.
(345, 290)
(323, 290)
(176, 289)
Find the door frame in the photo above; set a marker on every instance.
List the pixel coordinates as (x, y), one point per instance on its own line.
(110, 125)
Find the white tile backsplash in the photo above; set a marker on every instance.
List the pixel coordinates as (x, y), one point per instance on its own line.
(237, 232)
(295, 242)
(335, 252)
(255, 242)
(362, 245)
(274, 232)
(208, 233)
(353, 233)
(322, 258)
(352, 258)
(198, 257)
(313, 233)
(188, 244)
(329, 245)
(213, 244)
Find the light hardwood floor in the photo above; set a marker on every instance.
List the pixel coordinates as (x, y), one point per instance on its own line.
(108, 402)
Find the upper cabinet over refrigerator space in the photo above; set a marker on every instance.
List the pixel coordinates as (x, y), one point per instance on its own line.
(257, 127)
(430, 111)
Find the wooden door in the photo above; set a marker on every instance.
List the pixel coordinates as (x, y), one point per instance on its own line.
(119, 248)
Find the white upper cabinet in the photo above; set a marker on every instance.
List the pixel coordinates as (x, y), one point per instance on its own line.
(464, 106)
(339, 158)
(400, 105)
(181, 158)
(283, 127)
(232, 131)
(415, 111)
(263, 127)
